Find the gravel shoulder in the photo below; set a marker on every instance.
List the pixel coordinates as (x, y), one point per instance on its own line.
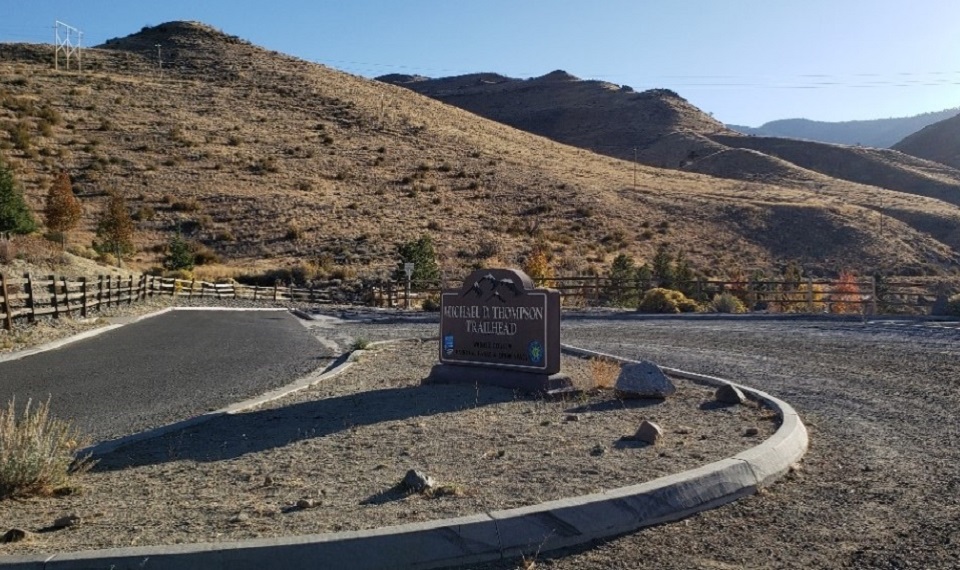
(339, 448)
(879, 486)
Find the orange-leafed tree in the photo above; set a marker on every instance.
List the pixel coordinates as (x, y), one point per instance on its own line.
(845, 296)
(63, 210)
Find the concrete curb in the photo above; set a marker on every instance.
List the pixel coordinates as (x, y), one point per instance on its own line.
(489, 536)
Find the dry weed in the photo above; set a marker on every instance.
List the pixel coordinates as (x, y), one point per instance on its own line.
(604, 373)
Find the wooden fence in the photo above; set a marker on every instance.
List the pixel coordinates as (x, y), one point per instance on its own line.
(30, 297)
(867, 296)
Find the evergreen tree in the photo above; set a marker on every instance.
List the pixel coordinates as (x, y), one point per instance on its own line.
(663, 268)
(15, 215)
(421, 254)
(683, 275)
(644, 277)
(623, 274)
(115, 229)
(178, 255)
(62, 210)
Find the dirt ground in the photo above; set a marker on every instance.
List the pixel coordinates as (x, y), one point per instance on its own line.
(329, 458)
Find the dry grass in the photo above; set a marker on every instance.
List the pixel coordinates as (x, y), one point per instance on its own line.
(604, 373)
(357, 167)
(37, 451)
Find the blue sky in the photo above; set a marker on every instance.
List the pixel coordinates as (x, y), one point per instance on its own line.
(744, 61)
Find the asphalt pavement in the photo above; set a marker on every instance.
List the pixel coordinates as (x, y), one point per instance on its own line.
(165, 369)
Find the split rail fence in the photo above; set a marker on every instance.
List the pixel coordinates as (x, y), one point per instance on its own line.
(29, 297)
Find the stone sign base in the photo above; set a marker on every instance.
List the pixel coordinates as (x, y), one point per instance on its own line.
(527, 382)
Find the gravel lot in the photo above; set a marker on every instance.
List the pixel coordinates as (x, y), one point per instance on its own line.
(879, 486)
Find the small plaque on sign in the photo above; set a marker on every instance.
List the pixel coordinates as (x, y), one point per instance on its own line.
(408, 269)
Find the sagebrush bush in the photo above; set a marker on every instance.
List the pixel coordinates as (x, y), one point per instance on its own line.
(953, 305)
(659, 300)
(727, 303)
(37, 451)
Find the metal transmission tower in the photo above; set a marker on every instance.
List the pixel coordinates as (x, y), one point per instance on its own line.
(68, 41)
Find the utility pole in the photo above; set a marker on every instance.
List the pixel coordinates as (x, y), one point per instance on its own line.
(63, 41)
(159, 61)
(634, 168)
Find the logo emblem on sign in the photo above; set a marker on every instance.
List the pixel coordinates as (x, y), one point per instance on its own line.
(535, 352)
(448, 344)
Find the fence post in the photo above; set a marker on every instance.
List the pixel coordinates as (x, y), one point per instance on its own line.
(8, 318)
(53, 296)
(31, 300)
(809, 294)
(256, 289)
(873, 295)
(66, 295)
(83, 303)
(119, 290)
(276, 285)
(100, 293)
(130, 287)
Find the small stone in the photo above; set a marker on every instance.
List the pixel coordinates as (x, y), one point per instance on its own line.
(648, 432)
(751, 431)
(67, 521)
(643, 380)
(729, 394)
(683, 430)
(240, 518)
(417, 481)
(306, 504)
(572, 418)
(16, 535)
(598, 450)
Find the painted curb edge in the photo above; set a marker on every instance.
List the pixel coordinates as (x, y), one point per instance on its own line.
(488, 536)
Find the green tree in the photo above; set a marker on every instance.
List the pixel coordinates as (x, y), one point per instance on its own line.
(683, 275)
(63, 210)
(179, 255)
(663, 268)
(622, 288)
(421, 254)
(644, 278)
(115, 229)
(15, 215)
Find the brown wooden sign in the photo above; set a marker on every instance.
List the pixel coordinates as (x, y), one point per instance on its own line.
(498, 319)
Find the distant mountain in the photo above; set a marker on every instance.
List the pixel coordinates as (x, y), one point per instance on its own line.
(877, 133)
(939, 142)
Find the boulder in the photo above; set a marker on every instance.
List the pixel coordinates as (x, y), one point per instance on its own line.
(417, 481)
(728, 394)
(648, 432)
(16, 535)
(643, 380)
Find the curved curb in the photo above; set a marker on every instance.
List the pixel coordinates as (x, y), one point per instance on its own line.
(489, 536)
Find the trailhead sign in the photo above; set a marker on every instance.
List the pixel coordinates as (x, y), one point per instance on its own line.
(499, 324)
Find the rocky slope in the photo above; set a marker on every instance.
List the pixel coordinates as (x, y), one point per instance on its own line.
(267, 160)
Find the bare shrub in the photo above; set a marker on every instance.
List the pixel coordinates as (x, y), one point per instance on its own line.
(37, 451)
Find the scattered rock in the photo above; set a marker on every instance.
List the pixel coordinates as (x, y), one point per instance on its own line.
(16, 535)
(683, 430)
(648, 432)
(417, 481)
(572, 418)
(307, 503)
(598, 450)
(751, 431)
(67, 521)
(240, 518)
(728, 394)
(643, 380)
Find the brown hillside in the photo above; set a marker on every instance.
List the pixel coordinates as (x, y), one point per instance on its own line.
(939, 142)
(269, 160)
(660, 128)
